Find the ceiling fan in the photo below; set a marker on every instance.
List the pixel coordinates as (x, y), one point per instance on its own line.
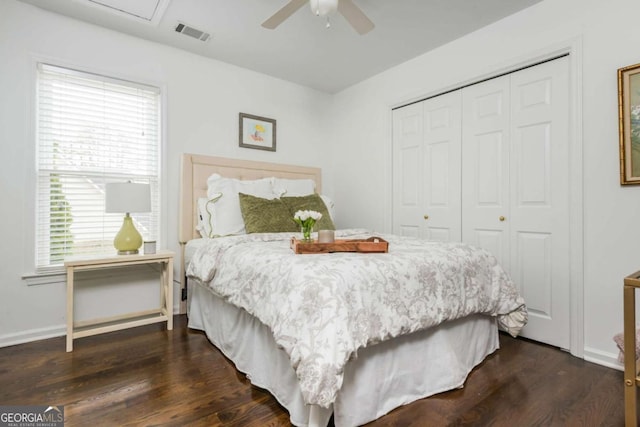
(347, 8)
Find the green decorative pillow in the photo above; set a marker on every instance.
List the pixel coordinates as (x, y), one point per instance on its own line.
(265, 216)
(312, 202)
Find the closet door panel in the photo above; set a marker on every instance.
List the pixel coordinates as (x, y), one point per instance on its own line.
(540, 203)
(407, 171)
(409, 159)
(441, 164)
(437, 192)
(485, 166)
(533, 270)
(532, 156)
(488, 165)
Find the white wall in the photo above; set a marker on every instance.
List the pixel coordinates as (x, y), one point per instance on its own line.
(607, 32)
(203, 99)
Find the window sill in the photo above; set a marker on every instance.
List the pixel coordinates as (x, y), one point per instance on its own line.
(59, 275)
(35, 279)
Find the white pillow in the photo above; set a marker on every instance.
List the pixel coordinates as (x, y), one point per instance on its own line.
(293, 187)
(205, 215)
(330, 206)
(227, 217)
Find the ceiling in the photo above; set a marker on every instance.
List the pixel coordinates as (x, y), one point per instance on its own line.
(300, 50)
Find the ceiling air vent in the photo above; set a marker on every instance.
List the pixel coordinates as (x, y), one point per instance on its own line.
(192, 32)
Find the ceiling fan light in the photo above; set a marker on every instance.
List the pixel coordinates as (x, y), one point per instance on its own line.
(323, 7)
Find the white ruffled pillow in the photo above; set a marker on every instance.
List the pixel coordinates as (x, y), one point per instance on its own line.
(330, 206)
(226, 215)
(293, 187)
(205, 215)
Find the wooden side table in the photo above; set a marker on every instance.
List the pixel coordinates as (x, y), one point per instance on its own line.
(631, 378)
(123, 321)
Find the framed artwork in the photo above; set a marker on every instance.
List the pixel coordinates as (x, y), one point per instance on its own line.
(629, 123)
(257, 132)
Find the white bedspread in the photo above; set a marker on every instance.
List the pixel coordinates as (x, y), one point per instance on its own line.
(323, 308)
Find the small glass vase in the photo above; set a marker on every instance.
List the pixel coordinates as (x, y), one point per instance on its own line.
(306, 233)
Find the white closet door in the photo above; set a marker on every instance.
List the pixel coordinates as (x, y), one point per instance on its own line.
(539, 214)
(407, 171)
(515, 183)
(485, 166)
(441, 165)
(426, 169)
(508, 193)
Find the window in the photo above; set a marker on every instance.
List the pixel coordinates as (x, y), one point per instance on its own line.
(91, 130)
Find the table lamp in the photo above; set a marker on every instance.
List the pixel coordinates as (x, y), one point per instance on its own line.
(127, 197)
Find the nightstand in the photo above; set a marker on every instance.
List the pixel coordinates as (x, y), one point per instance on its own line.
(123, 321)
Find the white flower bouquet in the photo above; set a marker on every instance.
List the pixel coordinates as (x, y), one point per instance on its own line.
(306, 220)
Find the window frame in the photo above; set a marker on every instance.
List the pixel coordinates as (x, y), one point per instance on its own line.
(55, 274)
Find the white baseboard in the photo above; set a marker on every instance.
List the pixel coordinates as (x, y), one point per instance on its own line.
(610, 360)
(46, 333)
(33, 335)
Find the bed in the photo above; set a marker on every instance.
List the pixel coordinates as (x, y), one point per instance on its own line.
(361, 377)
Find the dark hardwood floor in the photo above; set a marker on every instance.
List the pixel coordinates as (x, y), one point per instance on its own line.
(150, 376)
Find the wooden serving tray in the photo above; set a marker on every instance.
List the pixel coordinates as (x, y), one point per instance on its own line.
(370, 245)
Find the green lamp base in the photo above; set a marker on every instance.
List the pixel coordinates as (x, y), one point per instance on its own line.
(128, 240)
(129, 252)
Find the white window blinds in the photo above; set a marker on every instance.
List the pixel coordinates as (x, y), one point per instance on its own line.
(91, 130)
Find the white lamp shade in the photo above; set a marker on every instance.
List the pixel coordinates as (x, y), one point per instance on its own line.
(127, 197)
(323, 7)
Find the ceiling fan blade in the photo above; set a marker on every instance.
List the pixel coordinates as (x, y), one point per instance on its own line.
(280, 16)
(355, 16)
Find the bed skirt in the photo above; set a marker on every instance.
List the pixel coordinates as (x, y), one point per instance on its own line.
(381, 378)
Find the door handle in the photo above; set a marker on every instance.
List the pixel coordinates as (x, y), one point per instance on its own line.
(501, 218)
(426, 217)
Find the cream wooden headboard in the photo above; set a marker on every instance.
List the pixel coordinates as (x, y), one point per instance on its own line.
(193, 184)
(196, 169)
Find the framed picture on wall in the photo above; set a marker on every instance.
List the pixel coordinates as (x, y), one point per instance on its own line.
(629, 123)
(257, 132)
